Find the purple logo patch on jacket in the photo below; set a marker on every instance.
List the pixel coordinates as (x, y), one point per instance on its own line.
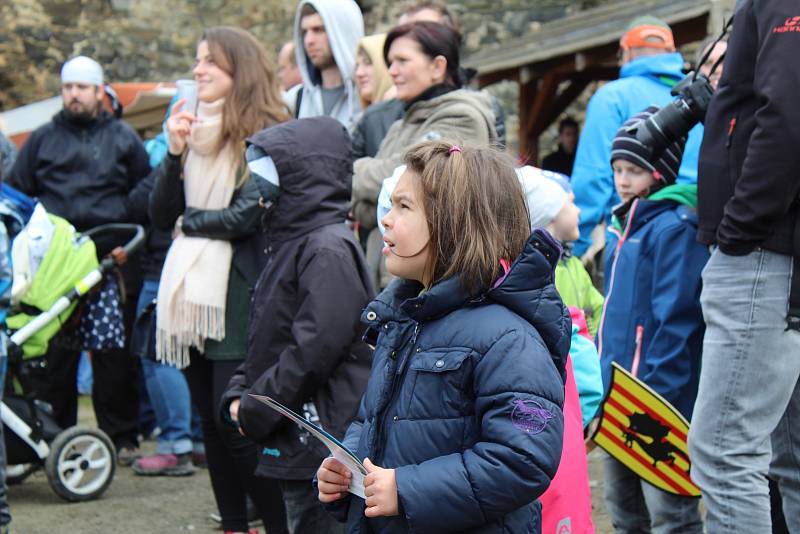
(530, 416)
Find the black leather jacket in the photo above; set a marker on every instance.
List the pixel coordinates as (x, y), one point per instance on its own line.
(238, 223)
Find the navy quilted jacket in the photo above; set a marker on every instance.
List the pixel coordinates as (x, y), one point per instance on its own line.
(652, 322)
(464, 400)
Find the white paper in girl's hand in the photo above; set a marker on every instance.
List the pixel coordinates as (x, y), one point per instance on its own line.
(338, 451)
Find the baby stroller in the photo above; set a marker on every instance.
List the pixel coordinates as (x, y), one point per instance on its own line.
(79, 461)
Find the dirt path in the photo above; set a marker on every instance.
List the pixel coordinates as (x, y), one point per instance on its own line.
(136, 504)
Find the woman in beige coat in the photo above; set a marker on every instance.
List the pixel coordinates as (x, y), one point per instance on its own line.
(423, 60)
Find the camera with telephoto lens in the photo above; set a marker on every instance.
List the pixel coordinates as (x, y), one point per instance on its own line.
(674, 120)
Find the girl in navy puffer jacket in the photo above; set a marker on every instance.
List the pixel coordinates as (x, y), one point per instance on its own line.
(460, 427)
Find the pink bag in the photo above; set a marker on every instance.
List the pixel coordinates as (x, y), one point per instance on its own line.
(567, 503)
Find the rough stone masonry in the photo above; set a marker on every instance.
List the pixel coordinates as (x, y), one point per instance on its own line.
(154, 40)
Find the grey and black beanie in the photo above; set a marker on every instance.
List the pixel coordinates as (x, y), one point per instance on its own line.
(664, 166)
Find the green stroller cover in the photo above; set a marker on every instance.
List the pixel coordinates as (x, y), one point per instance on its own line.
(68, 259)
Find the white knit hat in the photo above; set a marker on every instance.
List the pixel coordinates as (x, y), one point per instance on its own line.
(545, 196)
(82, 69)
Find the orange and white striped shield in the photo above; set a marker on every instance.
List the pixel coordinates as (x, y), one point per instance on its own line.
(646, 433)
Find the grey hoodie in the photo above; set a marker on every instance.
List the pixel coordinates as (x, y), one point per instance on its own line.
(345, 27)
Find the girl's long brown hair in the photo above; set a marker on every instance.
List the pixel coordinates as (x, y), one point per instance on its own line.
(255, 100)
(475, 208)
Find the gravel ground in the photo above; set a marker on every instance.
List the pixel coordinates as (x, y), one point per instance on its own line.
(135, 504)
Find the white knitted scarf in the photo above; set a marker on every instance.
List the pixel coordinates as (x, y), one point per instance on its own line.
(194, 280)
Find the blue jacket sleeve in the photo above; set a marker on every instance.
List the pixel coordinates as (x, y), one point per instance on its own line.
(678, 318)
(592, 178)
(518, 404)
(588, 378)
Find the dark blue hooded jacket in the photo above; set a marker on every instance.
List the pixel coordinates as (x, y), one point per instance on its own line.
(652, 322)
(464, 400)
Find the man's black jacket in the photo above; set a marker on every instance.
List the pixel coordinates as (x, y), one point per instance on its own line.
(749, 169)
(87, 172)
(559, 161)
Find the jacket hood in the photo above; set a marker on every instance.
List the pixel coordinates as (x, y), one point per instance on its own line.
(372, 45)
(314, 161)
(685, 194)
(665, 67)
(646, 209)
(344, 26)
(528, 289)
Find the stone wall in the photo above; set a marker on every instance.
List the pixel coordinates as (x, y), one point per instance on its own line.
(148, 40)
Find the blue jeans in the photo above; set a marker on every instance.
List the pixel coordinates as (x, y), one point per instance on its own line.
(746, 420)
(636, 507)
(169, 394)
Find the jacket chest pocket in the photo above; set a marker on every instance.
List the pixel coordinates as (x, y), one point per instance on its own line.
(441, 384)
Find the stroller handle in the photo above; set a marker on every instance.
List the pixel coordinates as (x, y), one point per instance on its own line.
(130, 247)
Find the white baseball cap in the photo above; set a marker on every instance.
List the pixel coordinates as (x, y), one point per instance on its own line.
(82, 69)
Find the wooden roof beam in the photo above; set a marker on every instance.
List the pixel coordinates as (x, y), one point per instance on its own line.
(546, 90)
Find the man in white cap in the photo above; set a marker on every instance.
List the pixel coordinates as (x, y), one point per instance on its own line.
(82, 87)
(85, 166)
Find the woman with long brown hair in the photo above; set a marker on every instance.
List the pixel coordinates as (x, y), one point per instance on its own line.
(204, 193)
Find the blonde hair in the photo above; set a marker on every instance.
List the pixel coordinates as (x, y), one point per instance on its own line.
(371, 47)
(475, 208)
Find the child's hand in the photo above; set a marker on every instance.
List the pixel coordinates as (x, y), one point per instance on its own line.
(233, 410)
(333, 479)
(591, 428)
(380, 488)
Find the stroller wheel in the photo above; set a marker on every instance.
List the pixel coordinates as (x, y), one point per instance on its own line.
(81, 463)
(15, 474)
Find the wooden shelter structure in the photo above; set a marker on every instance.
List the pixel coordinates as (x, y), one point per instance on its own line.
(554, 64)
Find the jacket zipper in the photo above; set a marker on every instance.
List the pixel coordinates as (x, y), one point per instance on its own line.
(637, 354)
(622, 239)
(731, 128)
(401, 373)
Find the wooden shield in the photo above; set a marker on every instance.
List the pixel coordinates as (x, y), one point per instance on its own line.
(644, 432)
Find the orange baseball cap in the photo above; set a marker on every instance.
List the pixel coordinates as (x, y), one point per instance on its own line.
(647, 32)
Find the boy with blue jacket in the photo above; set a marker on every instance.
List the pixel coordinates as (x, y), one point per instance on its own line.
(652, 323)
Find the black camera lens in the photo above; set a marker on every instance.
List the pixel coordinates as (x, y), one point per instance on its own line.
(674, 120)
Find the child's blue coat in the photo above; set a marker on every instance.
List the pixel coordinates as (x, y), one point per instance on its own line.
(652, 320)
(464, 400)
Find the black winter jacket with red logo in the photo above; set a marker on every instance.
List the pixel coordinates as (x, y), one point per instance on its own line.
(749, 169)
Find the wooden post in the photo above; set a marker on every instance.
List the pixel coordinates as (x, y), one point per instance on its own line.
(527, 92)
(534, 99)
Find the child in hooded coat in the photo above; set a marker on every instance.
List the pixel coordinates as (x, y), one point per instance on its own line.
(304, 346)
